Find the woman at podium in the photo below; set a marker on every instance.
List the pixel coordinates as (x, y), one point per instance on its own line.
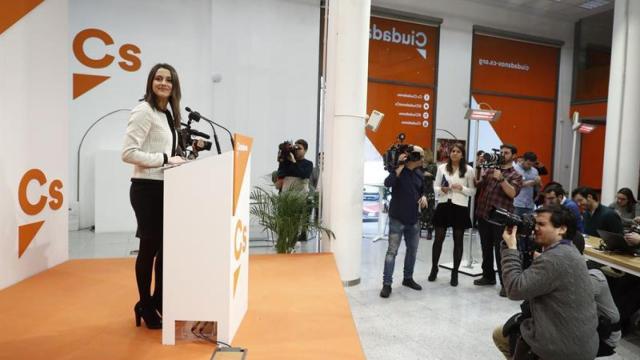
(150, 143)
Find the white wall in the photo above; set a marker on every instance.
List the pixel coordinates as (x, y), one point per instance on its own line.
(454, 64)
(267, 54)
(178, 33)
(34, 110)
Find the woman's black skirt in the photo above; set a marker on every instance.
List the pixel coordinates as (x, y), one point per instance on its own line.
(147, 201)
(449, 214)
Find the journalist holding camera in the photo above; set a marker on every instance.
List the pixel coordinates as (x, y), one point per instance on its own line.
(498, 186)
(294, 170)
(406, 183)
(562, 321)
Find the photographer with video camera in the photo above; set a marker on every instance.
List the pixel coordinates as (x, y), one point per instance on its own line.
(563, 318)
(498, 186)
(294, 170)
(406, 183)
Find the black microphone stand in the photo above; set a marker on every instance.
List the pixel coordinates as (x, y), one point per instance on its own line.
(196, 116)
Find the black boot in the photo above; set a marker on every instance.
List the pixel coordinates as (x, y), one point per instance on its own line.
(454, 278)
(386, 291)
(148, 313)
(434, 273)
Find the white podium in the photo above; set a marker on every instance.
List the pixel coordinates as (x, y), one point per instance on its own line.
(206, 242)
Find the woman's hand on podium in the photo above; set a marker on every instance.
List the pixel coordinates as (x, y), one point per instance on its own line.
(176, 160)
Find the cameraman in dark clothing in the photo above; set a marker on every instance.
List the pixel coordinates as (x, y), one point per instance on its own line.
(294, 170)
(407, 197)
(497, 188)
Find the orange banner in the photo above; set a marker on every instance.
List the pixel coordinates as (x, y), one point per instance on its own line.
(402, 51)
(514, 67)
(527, 124)
(241, 152)
(592, 145)
(407, 110)
(402, 75)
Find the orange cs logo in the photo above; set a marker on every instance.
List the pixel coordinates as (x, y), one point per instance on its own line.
(127, 53)
(27, 232)
(240, 242)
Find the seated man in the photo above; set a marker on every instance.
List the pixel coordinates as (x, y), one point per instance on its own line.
(557, 286)
(555, 194)
(596, 216)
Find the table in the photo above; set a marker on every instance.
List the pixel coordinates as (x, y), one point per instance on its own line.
(623, 262)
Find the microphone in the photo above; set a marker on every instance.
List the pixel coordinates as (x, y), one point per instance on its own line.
(195, 116)
(198, 133)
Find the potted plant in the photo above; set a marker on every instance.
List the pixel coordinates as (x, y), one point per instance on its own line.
(287, 215)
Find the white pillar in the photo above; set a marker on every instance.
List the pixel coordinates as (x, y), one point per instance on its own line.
(344, 117)
(622, 148)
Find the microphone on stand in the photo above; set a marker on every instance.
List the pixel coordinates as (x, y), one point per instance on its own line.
(195, 116)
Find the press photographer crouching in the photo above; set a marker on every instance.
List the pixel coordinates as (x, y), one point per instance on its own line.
(294, 170)
(406, 182)
(562, 322)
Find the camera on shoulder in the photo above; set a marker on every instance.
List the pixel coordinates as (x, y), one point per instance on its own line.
(492, 160)
(286, 148)
(526, 224)
(391, 158)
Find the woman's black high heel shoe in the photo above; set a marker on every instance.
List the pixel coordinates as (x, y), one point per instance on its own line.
(148, 313)
(454, 278)
(434, 273)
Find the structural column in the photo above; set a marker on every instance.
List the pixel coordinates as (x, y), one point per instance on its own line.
(343, 134)
(622, 145)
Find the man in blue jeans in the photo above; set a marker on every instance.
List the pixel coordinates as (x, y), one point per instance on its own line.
(406, 199)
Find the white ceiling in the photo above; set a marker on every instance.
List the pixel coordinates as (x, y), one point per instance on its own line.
(568, 10)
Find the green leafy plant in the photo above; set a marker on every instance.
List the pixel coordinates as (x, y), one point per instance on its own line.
(287, 215)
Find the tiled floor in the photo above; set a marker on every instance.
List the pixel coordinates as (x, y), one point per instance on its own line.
(438, 323)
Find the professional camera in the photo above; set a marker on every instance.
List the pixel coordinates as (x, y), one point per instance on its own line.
(526, 224)
(285, 149)
(492, 160)
(191, 145)
(635, 228)
(391, 156)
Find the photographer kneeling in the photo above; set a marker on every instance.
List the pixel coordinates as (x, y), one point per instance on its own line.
(563, 317)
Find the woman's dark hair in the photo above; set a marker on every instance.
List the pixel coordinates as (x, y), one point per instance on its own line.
(631, 201)
(462, 167)
(174, 99)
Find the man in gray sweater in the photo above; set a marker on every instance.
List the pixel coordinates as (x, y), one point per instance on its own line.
(563, 318)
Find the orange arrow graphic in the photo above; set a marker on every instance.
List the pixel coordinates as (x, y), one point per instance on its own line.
(26, 233)
(85, 82)
(12, 11)
(236, 275)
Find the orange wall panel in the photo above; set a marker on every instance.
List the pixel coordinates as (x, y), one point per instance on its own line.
(407, 110)
(402, 51)
(514, 67)
(592, 158)
(527, 124)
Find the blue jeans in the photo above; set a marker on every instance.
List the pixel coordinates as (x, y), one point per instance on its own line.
(410, 232)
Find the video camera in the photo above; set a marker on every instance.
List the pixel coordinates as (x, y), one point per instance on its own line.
(526, 224)
(287, 148)
(391, 156)
(492, 160)
(191, 145)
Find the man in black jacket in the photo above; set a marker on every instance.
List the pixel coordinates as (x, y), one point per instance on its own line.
(407, 197)
(294, 169)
